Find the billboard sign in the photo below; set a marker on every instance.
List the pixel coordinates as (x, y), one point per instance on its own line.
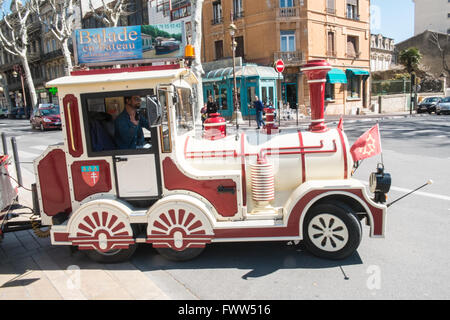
(130, 43)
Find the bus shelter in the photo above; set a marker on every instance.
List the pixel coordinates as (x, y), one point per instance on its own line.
(252, 80)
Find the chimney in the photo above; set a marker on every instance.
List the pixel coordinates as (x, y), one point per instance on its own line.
(316, 72)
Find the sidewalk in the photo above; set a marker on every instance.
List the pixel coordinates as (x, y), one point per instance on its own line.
(32, 269)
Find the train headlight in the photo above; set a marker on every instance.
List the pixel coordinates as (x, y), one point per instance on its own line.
(380, 182)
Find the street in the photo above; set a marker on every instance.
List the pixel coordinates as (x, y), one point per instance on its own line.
(409, 263)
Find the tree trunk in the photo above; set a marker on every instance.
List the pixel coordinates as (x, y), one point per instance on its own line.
(29, 81)
(196, 20)
(67, 56)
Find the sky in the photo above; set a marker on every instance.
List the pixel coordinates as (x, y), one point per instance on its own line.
(392, 18)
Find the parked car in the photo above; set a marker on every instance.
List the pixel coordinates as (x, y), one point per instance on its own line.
(443, 107)
(47, 105)
(3, 112)
(428, 105)
(46, 118)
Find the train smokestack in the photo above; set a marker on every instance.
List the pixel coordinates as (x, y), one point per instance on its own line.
(316, 72)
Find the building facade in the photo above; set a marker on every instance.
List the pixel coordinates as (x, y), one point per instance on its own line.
(296, 31)
(382, 53)
(431, 15)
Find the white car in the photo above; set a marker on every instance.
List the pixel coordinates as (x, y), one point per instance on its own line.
(443, 107)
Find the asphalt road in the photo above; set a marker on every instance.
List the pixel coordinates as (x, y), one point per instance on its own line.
(409, 263)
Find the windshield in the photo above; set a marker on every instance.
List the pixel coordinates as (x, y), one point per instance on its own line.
(446, 99)
(48, 112)
(184, 116)
(428, 100)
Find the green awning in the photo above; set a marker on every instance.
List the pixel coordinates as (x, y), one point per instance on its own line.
(358, 72)
(336, 76)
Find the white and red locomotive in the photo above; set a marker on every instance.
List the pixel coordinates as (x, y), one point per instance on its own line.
(186, 189)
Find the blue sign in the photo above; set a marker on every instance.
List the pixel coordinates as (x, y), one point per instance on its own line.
(146, 42)
(108, 44)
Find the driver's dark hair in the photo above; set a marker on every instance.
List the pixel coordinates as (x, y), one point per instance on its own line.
(128, 98)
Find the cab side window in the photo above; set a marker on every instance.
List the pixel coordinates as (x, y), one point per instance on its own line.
(112, 126)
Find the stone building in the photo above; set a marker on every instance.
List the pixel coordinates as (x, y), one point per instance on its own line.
(382, 52)
(296, 31)
(432, 60)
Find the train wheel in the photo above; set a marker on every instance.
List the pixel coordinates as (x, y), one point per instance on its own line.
(331, 231)
(112, 256)
(185, 255)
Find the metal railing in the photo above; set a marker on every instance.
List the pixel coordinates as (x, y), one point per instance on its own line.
(290, 58)
(217, 20)
(238, 14)
(288, 12)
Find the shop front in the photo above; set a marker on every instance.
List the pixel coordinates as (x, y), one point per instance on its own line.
(251, 81)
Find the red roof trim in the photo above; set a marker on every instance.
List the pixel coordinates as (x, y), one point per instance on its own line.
(120, 70)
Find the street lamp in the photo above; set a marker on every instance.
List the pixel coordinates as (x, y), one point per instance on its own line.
(237, 114)
(17, 70)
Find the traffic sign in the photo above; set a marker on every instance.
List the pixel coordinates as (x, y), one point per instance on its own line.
(279, 66)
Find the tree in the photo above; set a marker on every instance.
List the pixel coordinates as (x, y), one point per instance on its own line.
(443, 48)
(410, 58)
(197, 69)
(61, 23)
(15, 39)
(109, 13)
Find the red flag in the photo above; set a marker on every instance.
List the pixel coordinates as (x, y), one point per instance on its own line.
(368, 145)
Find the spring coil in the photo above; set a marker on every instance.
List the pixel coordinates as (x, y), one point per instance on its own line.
(263, 182)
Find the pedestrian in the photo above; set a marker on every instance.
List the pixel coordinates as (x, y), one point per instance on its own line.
(204, 114)
(211, 106)
(259, 107)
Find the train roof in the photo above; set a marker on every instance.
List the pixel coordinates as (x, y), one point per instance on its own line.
(162, 73)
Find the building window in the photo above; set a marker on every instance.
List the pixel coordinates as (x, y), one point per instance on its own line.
(331, 6)
(240, 46)
(329, 91)
(331, 46)
(287, 41)
(352, 9)
(238, 9)
(352, 47)
(286, 3)
(217, 12)
(354, 86)
(219, 49)
(145, 12)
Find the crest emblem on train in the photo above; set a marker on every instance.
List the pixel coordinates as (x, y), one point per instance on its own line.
(90, 174)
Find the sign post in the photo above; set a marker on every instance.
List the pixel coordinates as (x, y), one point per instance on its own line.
(279, 67)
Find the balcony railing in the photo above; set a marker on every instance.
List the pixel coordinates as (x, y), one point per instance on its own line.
(217, 20)
(288, 12)
(238, 14)
(290, 58)
(331, 11)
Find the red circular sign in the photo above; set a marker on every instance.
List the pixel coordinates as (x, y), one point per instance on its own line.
(279, 66)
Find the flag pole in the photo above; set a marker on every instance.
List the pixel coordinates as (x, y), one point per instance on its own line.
(379, 135)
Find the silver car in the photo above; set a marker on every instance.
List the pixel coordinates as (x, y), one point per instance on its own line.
(443, 107)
